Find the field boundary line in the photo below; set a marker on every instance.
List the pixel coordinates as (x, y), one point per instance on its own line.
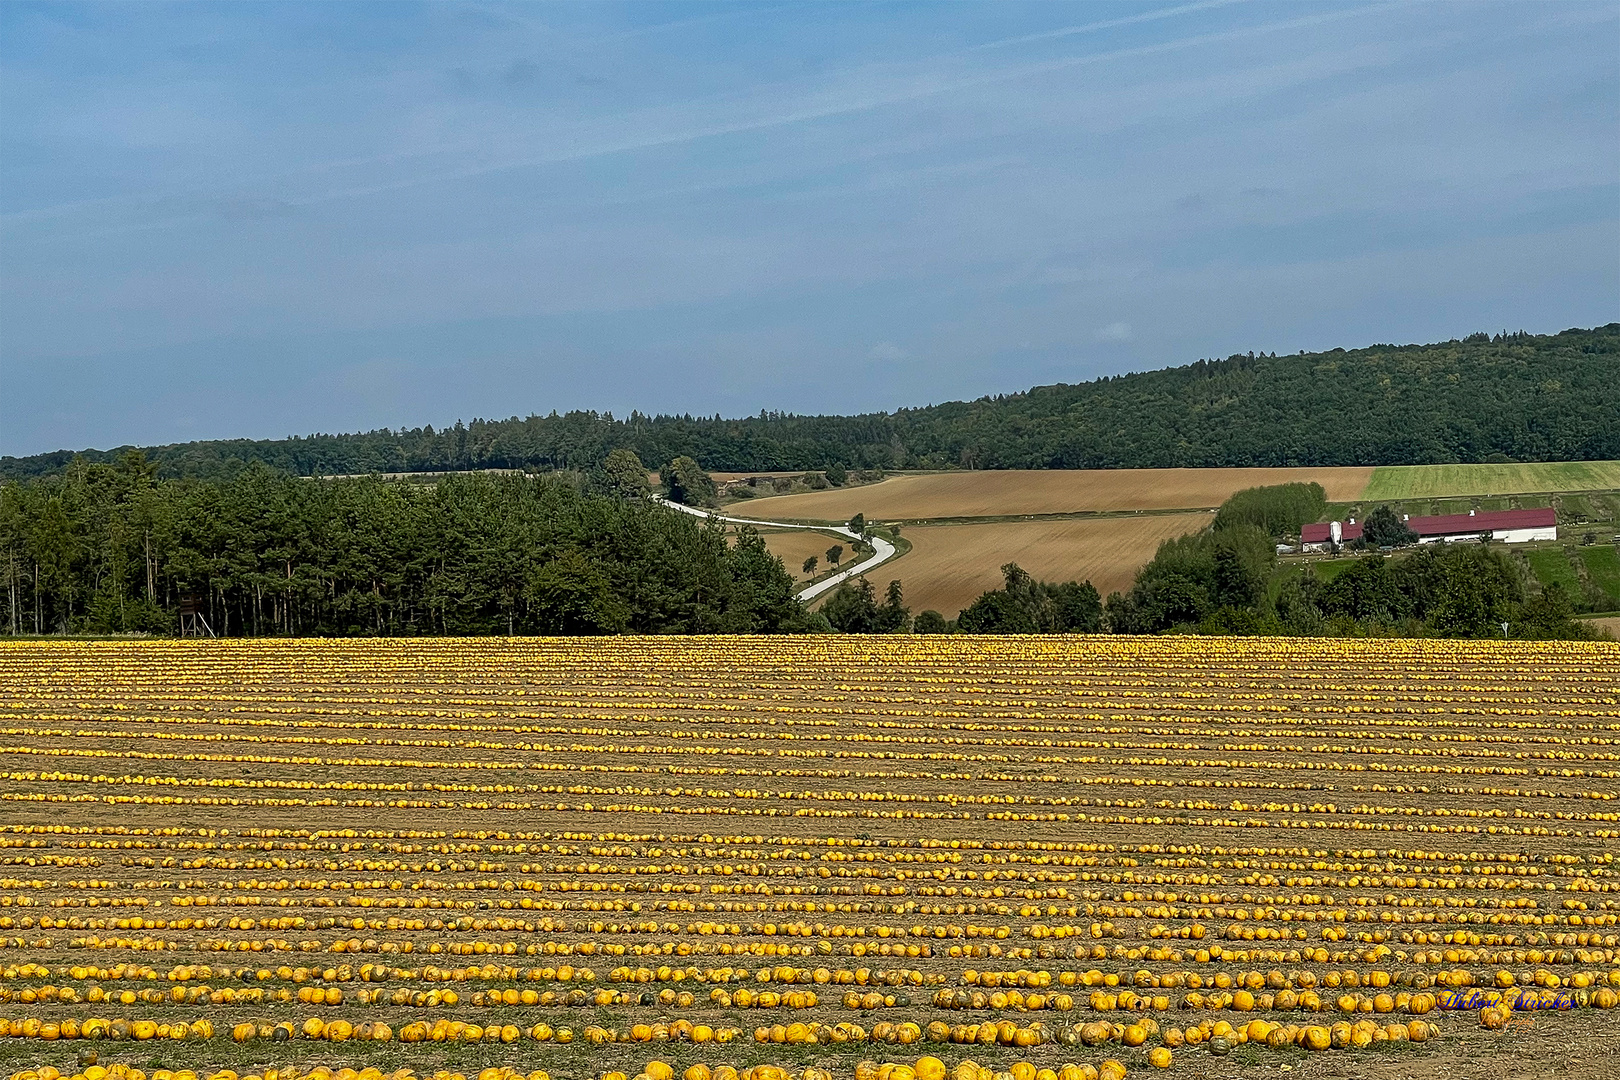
(1008, 519)
(1057, 515)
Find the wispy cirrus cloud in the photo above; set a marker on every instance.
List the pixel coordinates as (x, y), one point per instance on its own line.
(887, 352)
(848, 92)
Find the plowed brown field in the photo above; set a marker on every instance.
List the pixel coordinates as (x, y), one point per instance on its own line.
(998, 493)
(950, 565)
(579, 856)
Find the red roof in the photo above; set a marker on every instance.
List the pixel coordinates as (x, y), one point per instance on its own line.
(1539, 517)
(1319, 534)
(1449, 524)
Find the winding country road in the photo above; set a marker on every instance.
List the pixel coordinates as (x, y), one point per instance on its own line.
(882, 550)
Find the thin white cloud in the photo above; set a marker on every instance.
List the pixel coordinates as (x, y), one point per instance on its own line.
(677, 125)
(887, 352)
(1115, 331)
(830, 103)
(1106, 24)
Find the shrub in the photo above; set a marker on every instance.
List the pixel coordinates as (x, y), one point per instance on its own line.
(1026, 606)
(1279, 510)
(1383, 529)
(687, 483)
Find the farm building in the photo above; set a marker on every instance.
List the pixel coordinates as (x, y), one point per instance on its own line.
(1503, 526)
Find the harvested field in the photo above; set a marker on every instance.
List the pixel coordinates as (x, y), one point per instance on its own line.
(1439, 481)
(950, 565)
(1608, 623)
(579, 856)
(793, 546)
(728, 477)
(1006, 493)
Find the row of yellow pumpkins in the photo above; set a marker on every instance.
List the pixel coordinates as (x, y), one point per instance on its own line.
(1480, 862)
(1221, 1036)
(821, 976)
(454, 1031)
(97, 1028)
(1005, 1033)
(927, 1067)
(119, 1071)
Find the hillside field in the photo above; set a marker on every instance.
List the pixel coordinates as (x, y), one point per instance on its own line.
(1598, 565)
(793, 546)
(1394, 482)
(1015, 492)
(780, 857)
(950, 565)
(956, 558)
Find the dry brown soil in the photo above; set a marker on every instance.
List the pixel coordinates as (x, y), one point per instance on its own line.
(949, 566)
(997, 493)
(793, 546)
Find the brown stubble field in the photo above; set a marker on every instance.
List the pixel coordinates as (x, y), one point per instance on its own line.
(916, 810)
(949, 566)
(793, 546)
(1610, 624)
(1001, 493)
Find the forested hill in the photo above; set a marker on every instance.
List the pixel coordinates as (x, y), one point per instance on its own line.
(1519, 396)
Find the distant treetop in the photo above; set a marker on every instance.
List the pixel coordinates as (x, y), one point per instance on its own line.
(1518, 397)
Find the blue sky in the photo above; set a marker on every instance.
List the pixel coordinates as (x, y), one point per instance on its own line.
(267, 219)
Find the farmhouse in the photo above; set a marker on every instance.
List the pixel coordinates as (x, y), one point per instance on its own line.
(1503, 526)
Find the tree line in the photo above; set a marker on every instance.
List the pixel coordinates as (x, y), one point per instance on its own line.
(117, 549)
(1483, 398)
(111, 549)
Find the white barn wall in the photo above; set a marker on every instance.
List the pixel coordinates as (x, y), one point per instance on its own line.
(1503, 536)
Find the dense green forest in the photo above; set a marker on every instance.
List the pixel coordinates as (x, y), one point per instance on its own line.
(1512, 396)
(116, 549)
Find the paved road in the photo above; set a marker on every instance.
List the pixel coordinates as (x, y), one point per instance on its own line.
(882, 550)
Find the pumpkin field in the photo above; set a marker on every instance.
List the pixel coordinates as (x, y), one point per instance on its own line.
(824, 858)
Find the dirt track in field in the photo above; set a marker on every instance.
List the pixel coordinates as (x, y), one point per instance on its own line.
(997, 493)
